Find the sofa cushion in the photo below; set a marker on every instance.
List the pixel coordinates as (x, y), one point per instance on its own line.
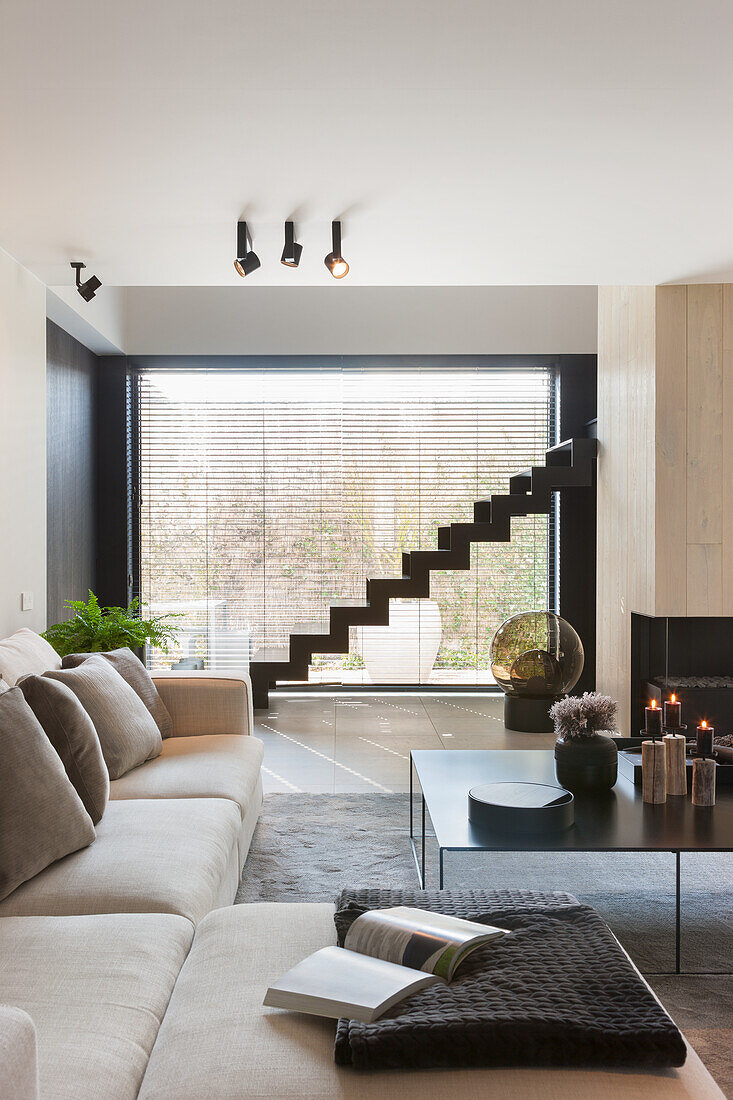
(126, 729)
(219, 766)
(18, 1055)
(151, 856)
(71, 732)
(24, 653)
(42, 817)
(137, 676)
(96, 989)
(244, 1050)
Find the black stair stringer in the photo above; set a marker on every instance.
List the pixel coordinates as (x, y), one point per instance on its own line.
(569, 465)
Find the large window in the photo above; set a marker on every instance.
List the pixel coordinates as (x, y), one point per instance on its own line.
(269, 493)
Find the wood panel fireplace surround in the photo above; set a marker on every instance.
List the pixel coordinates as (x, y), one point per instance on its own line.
(692, 657)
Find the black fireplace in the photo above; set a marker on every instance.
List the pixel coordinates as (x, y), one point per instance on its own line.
(692, 658)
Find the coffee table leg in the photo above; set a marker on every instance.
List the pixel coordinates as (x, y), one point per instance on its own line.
(678, 930)
(422, 877)
(419, 863)
(411, 796)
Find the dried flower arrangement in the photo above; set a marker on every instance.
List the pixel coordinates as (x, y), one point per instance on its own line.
(577, 718)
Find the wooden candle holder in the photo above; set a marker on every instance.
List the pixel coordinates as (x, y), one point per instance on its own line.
(654, 771)
(703, 782)
(676, 750)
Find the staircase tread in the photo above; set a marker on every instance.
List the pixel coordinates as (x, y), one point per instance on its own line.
(349, 603)
(566, 445)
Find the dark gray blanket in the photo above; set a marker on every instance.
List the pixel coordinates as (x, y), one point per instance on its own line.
(558, 992)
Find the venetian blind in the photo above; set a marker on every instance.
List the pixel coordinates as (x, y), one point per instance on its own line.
(267, 494)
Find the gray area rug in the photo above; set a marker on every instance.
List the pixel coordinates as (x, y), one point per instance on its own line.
(308, 847)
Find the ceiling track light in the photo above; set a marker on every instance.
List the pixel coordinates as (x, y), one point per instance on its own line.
(334, 261)
(292, 250)
(247, 261)
(90, 287)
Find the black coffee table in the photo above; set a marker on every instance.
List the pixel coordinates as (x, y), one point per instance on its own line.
(617, 821)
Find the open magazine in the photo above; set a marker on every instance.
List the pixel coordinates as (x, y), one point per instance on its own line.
(388, 954)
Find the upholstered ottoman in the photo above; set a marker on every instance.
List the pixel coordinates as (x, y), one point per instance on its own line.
(217, 1040)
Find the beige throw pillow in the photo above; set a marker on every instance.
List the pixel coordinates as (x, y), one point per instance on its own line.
(134, 671)
(71, 732)
(42, 817)
(127, 731)
(25, 653)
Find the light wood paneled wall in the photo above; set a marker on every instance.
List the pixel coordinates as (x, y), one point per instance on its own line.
(626, 512)
(665, 476)
(670, 450)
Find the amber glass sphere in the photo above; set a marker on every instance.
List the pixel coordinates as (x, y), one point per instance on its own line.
(536, 654)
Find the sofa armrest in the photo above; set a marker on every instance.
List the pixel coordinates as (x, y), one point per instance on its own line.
(206, 702)
(18, 1055)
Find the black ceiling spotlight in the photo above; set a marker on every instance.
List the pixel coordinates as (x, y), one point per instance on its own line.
(334, 261)
(247, 261)
(90, 287)
(292, 251)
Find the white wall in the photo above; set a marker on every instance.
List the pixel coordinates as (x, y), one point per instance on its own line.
(99, 324)
(357, 320)
(22, 446)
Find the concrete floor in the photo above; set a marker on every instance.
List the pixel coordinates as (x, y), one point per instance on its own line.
(335, 743)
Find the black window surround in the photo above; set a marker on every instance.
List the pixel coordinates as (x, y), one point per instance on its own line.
(573, 570)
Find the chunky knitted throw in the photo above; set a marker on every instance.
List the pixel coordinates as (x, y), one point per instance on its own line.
(559, 991)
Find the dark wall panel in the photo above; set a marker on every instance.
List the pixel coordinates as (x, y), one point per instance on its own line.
(578, 513)
(71, 451)
(114, 528)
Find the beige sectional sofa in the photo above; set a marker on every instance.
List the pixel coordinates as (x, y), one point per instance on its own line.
(125, 970)
(90, 948)
(177, 830)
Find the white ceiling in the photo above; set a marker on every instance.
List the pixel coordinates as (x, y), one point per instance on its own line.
(463, 142)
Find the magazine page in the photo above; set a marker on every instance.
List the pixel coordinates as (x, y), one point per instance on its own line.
(334, 982)
(432, 942)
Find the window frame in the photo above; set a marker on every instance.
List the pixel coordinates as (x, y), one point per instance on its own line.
(571, 412)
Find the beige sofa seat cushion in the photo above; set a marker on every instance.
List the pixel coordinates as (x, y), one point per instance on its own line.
(126, 729)
(249, 821)
(96, 989)
(42, 817)
(71, 732)
(18, 1056)
(25, 653)
(217, 766)
(151, 856)
(244, 1050)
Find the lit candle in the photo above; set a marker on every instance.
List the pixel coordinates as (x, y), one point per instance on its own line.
(705, 734)
(672, 713)
(653, 719)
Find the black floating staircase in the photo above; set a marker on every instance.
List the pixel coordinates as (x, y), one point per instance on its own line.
(569, 465)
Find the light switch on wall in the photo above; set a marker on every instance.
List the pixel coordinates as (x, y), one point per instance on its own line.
(26, 601)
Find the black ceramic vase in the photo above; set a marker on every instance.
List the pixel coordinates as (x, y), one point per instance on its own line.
(587, 765)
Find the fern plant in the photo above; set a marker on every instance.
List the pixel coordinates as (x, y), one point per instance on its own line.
(95, 629)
